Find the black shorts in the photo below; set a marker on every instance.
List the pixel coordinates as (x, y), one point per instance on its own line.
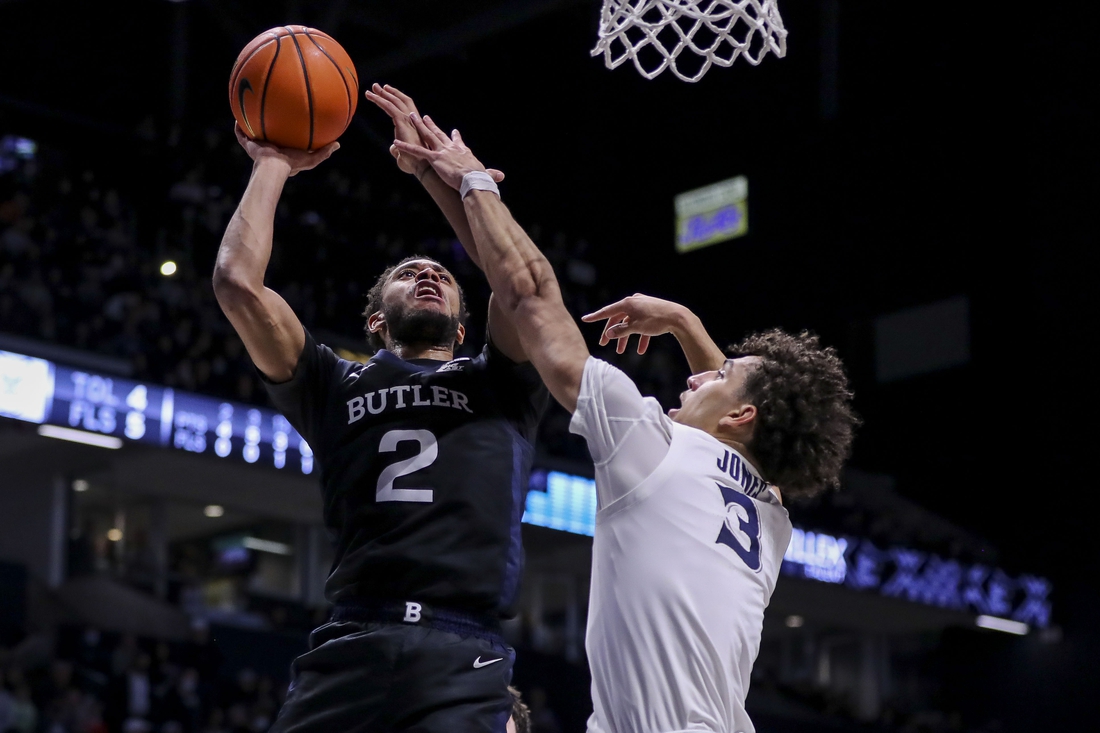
(378, 677)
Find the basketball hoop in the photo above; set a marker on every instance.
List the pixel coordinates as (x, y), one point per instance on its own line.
(718, 31)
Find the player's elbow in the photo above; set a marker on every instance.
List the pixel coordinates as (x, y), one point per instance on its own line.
(231, 289)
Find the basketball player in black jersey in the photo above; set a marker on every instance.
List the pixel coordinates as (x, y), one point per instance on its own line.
(424, 463)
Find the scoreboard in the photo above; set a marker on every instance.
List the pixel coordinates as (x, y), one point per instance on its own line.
(40, 391)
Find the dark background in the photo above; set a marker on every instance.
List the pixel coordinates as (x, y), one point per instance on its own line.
(953, 152)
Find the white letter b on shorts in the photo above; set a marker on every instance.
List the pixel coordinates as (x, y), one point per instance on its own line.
(412, 612)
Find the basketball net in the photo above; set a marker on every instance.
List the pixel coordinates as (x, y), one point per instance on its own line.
(717, 30)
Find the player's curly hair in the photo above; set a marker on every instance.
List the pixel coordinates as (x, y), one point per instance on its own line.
(374, 299)
(521, 714)
(805, 422)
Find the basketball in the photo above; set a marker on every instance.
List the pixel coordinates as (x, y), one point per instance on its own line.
(294, 87)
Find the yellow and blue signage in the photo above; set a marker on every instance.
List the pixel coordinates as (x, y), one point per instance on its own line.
(712, 214)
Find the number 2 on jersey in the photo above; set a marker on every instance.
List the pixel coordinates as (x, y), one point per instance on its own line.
(427, 454)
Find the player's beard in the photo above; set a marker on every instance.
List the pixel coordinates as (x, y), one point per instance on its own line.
(419, 326)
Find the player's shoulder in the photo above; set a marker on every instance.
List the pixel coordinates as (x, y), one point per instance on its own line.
(596, 368)
(463, 365)
(489, 361)
(354, 373)
(601, 377)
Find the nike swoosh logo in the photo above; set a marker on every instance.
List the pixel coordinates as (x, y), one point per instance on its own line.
(245, 86)
(478, 664)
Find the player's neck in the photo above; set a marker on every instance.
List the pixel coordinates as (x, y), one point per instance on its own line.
(421, 351)
(742, 450)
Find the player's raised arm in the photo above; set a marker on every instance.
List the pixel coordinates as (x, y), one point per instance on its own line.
(522, 279)
(268, 327)
(648, 316)
(399, 106)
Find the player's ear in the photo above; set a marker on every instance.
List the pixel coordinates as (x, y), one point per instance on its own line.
(376, 322)
(739, 419)
(460, 335)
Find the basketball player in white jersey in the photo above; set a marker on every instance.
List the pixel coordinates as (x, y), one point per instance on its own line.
(690, 525)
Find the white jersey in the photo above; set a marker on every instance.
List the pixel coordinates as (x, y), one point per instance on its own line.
(687, 549)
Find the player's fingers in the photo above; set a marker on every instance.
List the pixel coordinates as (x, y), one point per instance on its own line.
(643, 343)
(376, 92)
(498, 175)
(620, 345)
(382, 103)
(604, 337)
(241, 137)
(394, 151)
(614, 310)
(385, 90)
(400, 95)
(431, 138)
(456, 136)
(439, 134)
(426, 135)
(621, 329)
(417, 151)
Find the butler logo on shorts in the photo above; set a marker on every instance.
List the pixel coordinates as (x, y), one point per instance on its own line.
(712, 214)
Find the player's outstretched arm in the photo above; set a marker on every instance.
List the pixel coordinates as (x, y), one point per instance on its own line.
(525, 285)
(268, 327)
(522, 279)
(648, 316)
(399, 106)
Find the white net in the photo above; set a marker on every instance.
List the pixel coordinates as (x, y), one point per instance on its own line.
(653, 34)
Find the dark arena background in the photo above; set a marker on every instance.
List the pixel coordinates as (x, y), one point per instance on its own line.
(920, 192)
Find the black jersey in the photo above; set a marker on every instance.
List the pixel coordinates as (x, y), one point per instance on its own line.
(424, 467)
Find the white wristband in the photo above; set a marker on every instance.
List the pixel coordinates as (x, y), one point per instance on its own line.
(478, 180)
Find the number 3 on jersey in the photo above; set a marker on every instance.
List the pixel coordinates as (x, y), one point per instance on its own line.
(427, 454)
(742, 523)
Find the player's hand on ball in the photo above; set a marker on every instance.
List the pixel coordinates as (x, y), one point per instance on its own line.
(449, 156)
(638, 314)
(295, 160)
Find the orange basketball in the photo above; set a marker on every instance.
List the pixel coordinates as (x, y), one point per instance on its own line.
(294, 87)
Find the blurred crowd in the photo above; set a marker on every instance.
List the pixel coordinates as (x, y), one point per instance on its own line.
(100, 682)
(82, 246)
(103, 682)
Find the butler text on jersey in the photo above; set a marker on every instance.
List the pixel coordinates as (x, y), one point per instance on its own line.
(404, 395)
